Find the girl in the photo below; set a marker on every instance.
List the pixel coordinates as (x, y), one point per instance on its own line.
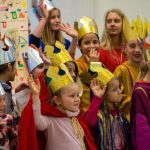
(7, 70)
(8, 135)
(109, 124)
(112, 40)
(63, 121)
(140, 105)
(49, 29)
(88, 44)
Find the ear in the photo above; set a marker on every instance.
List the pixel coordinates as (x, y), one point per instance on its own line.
(10, 67)
(56, 100)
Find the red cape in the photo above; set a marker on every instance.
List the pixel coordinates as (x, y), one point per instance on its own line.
(28, 137)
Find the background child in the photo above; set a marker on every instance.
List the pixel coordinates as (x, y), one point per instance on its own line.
(88, 44)
(104, 117)
(140, 106)
(8, 135)
(7, 71)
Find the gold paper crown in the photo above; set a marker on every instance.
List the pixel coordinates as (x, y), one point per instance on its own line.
(104, 75)
(57, 53)
(88, 26)
(137, 29)
(58, 77)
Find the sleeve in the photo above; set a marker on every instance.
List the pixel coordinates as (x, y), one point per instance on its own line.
(91, 115)
(41, 122)
(67, 44)
(34, 40)
(140, 128)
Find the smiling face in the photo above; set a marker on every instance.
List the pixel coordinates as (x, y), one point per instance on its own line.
(69, 98)
(134, 52)
(88, 42)
(113, 24)
(54, 19)
(113, 94)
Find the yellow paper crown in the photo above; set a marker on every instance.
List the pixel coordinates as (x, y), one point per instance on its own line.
(88, 26)
(57, 53)
(104, 75)
(137, 29)
(58, 77)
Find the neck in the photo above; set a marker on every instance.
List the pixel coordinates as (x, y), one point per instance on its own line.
(3, 77)
(53, 34)
(116, 40)
(147, 77)
(133, 63)
(110, 106)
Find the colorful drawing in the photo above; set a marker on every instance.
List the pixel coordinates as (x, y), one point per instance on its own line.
(14, 23)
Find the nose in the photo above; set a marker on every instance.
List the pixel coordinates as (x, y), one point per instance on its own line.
(57, 19)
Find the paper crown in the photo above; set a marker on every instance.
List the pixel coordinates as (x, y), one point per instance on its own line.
(49, 4)
(57, 53)
(58, 77)
(137, 29)
(2, 92)
(32, 58)
(104, 75)
(88, 26)
(7, 51)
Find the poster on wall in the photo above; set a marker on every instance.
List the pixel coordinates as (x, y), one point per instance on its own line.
(14, 24)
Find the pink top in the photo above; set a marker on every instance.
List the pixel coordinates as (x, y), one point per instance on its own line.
(58, 130)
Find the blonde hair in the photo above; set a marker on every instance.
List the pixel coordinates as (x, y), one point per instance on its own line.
(106, 41)
(47, 36)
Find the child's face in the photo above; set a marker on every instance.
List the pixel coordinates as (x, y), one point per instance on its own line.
(114, 92)
(70, 99)
(134, 52)
(89, 41)
(72, 70)
(2, 105)
(113, 24)
(40, 68)
(55, 20)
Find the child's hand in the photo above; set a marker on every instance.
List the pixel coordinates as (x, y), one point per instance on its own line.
(69, 30)
(97, 89)
(93, 56)
(34, 86)
(43, 10)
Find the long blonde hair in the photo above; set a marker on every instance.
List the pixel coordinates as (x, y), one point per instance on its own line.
(47, 36)
(106, 41)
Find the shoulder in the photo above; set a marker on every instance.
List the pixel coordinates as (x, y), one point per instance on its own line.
(67, 43)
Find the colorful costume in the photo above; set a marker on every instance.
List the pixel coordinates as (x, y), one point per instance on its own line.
(111, 59)
(140, 118)
(27, 131)
(127, 74)
(110, 129)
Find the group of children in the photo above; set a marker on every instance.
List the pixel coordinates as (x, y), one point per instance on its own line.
(99, 101)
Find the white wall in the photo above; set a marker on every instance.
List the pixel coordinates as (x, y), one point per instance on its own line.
(74, 9)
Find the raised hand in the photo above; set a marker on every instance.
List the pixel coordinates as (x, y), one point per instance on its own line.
(34, 86)
(69, 30)
(97, 89)
(43, 9)
(93, 56)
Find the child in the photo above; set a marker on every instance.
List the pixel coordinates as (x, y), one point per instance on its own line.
(140, 106)
(88, 43)
(8, 135)
(49, 30)
(129, 70)
(63, 126)
(7, 70)
(109, 124)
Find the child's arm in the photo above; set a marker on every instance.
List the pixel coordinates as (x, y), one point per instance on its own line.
(98, 92)
(41, 122)
(38, 31)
